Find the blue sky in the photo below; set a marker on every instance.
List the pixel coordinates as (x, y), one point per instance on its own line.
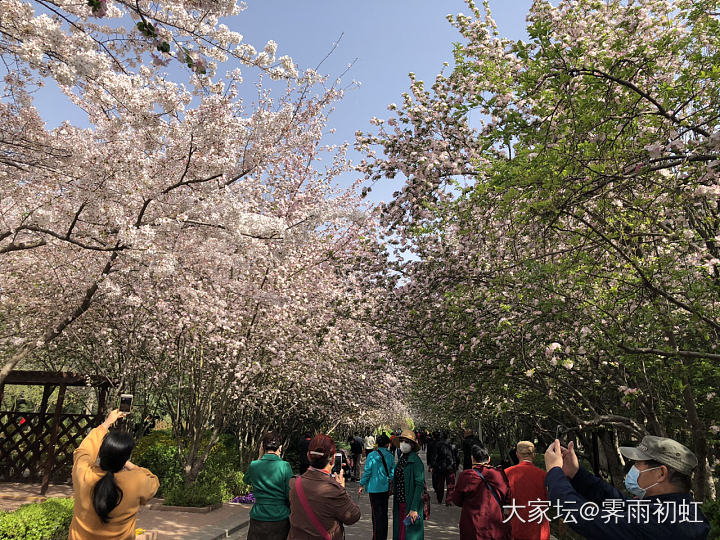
(389, 39)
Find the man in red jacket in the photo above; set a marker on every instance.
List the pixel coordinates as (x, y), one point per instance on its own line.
(527, 483)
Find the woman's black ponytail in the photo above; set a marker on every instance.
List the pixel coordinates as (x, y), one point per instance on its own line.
(106, 496)
(114, 453)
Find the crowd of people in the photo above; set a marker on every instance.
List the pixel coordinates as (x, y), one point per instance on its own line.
(515, 501)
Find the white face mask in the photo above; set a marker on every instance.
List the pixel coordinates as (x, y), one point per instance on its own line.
(405, 447)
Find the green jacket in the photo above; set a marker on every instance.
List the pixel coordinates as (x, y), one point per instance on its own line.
(270, 479)
(414, 488)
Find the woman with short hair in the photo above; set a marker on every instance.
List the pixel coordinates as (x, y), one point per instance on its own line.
(270, 477)
(319, 504)
(482, 491)
(108, 495)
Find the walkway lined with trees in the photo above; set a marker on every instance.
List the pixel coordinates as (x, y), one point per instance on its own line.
(549, 266)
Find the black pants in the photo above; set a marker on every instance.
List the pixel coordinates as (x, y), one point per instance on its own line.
(379, 505)
(268, 530)
(356, 466)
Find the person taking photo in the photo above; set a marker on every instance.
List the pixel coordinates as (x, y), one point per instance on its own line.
(660, 475)
(110, 490)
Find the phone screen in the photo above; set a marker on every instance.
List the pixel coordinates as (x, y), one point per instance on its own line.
(125, 402)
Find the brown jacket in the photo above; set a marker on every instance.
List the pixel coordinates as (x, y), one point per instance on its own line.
(330, 502)
(138, 486)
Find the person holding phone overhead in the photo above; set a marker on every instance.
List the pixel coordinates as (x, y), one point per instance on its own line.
(108, 495)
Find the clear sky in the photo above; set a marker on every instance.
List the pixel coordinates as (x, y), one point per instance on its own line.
(389, 39)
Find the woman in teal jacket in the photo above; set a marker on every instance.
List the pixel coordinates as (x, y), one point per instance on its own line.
(376, 480)
(409, 485)
(270, 479)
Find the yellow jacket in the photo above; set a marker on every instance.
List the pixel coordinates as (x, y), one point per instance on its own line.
(138, 487)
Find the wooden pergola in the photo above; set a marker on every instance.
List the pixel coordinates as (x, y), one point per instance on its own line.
(38, 446)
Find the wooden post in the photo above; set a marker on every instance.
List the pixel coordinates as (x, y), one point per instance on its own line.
(50, 460)
(39, 430)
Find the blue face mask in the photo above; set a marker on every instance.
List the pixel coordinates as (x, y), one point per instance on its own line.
(631, 481)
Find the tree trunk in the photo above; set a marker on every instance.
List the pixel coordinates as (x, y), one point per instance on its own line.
(698, 429)
(610, 458)
(710, 490)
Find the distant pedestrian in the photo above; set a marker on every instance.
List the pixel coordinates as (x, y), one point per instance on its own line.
(376, 478)
(468, 442)
(527, 483)
(396, 441)
(270, 477)
(443, 467)
(356, 449)
(409, 486)
(320, 506)
(432, 443)
(482, 492)
(369, 443)
(514, 458)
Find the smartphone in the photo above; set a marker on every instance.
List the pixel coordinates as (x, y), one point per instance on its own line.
(125, 402)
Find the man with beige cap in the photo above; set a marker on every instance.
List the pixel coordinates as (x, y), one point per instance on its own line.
(527, 483)
(660, 480)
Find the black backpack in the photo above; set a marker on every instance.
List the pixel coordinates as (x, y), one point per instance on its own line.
(444, 458)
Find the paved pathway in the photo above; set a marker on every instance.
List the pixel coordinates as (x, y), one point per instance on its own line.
(442, 525)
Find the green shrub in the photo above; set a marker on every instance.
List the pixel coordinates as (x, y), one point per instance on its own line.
(197, 494)
(236, 485)
(48, 520)
(158, 452)
(711, 509)
(221, 475)
(223, 468)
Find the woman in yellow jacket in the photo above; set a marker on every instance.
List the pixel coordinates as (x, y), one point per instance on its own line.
(108, 496)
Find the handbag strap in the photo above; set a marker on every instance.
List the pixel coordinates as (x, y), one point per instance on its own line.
(309, 511)
(387, 472)
(492, 490)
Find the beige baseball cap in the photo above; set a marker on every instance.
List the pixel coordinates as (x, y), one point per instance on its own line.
(663, 450)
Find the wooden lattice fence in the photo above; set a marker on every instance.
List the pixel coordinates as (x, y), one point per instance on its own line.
(38, 446)
(23, 451)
